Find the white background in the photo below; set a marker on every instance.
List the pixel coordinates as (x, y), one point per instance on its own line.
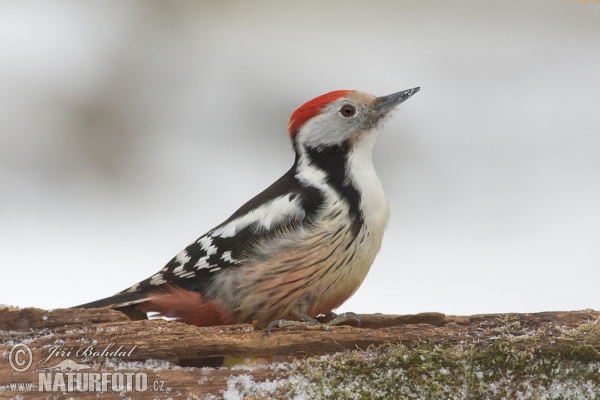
(129, 129)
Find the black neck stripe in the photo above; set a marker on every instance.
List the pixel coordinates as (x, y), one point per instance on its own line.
(333, 160)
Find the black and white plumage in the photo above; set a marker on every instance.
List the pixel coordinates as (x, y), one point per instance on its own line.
(302, 246)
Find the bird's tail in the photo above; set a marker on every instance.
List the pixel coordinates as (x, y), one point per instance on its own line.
(126, 302)
(173, 302)
(119, 300)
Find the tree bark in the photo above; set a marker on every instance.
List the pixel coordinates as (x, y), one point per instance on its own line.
(107, 341)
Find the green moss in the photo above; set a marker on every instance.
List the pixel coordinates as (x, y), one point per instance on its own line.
(549, 362)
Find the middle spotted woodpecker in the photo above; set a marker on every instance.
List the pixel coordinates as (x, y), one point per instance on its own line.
(300, 248)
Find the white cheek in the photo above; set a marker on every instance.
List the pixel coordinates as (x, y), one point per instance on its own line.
(328, 128)
(320, 131)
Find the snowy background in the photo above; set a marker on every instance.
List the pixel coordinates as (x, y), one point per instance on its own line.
(129, 129)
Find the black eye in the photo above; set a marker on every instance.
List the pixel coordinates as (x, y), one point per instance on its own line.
(348, 110)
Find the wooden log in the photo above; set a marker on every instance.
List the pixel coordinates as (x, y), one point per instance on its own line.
(107, 341)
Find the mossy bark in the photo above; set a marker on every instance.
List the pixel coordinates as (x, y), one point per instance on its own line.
(430, 356)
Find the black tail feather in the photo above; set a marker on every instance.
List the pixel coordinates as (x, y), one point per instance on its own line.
(119, 300)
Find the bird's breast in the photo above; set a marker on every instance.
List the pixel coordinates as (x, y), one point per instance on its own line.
(346, 266)
(312, 269)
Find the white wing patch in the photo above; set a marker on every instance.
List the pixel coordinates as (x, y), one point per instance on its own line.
(183, 257)
(202, 263)
(265, 216)
(227, 257)
(157, 279)
(184, 274)
(207, 246)
(134, 288)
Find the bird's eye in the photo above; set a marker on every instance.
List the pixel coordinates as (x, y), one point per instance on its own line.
(348, 110)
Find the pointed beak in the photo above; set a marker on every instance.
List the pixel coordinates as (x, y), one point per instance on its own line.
(386, 103)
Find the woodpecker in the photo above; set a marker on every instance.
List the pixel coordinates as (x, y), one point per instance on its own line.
(297, 250)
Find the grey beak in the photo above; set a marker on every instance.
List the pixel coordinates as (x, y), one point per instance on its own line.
(386, 103)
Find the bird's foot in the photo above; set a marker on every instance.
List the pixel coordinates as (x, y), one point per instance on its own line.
(337, 319)
(306, 320)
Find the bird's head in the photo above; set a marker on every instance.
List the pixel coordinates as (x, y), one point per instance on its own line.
(341, 117)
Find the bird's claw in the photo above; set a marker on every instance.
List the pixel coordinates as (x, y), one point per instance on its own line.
(343, 317)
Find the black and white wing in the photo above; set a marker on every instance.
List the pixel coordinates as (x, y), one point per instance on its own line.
(284, 206)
